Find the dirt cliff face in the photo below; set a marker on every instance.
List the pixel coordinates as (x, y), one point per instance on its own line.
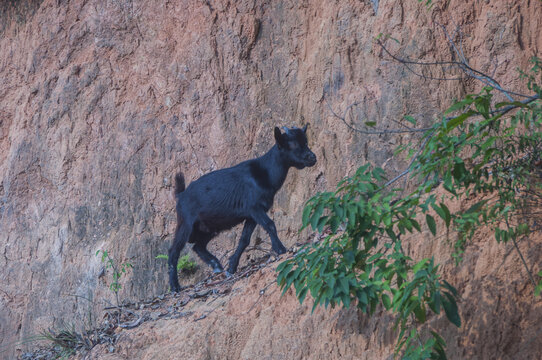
(249, 319)
(101, 102)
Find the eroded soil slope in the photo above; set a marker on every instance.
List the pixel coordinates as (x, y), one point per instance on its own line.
(247, 318)
(102, 101)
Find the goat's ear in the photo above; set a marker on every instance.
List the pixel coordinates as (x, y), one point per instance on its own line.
(305, 128)
(279, 138)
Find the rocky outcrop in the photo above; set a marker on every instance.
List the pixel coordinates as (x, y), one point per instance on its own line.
(101, 102)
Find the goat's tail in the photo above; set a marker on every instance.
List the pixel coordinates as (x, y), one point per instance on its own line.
(179, 183)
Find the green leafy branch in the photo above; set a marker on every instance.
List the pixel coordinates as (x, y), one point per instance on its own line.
(478, 153)
(365, 263)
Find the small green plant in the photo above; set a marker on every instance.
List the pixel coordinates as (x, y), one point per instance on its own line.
(66, 340)
(109, 263)
(185, 264)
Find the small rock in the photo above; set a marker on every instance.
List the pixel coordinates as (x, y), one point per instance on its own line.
(201, 293)
(183, 302)
(155, 315)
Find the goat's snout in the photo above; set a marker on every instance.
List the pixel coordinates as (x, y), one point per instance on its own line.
(310, 158)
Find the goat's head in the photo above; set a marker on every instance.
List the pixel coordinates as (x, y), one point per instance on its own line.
(293, 147)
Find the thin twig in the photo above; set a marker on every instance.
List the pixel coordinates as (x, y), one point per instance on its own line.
(521, 256)
(132, 324)
(208, 312)
(408, 168)
(371, 132)
(262, 292)
(524, 262)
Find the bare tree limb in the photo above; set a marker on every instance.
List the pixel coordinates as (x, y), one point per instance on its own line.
(462, 65)
(372, 132)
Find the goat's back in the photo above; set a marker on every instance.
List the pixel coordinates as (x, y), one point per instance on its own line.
(225, 192)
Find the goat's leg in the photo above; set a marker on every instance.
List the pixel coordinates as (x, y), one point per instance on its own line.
(264, 221)
(181, 236)
(248, 229)
(201, 239)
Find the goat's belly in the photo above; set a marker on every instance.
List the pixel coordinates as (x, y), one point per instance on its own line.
(218, 224)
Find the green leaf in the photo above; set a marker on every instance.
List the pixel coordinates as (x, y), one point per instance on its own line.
(349, 257)
(306, 213)
(370, 123)
(374, 257)
(362, 297)
(285, 267)
(498, 235)
(455, 122)
(352, 211)
(435, 302)
(474, 208)
(419, 265)
(416, 225)
(439, 211)
(513, 103)
(460, 104)
(345, 285)
(316, 216)
(448, 216)
(334, 224)
(321, 223)
(419, 311)
(460, 171)
(482, 105)
(450, 288)
(386, 301)
(302, 294)
(431, 224)
(450, 308)
(448, 183)
(410, 119)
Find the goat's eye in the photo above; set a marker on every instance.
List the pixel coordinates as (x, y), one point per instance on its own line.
(293, 145)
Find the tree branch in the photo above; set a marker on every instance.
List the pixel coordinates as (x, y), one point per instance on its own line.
(462, 65)
(372, 132)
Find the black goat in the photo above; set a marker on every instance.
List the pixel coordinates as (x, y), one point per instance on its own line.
(224, 198)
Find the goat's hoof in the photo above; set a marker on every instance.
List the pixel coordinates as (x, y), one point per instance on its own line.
(280, 250)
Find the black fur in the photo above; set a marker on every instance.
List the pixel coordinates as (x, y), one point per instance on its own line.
(224, 198)
(179, 183)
